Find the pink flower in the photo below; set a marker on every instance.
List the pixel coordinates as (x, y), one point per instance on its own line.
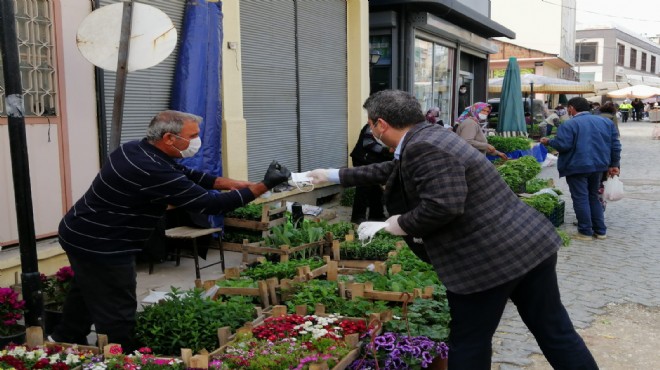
(116, 350)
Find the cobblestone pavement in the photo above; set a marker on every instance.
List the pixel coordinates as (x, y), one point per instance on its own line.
(625, 268)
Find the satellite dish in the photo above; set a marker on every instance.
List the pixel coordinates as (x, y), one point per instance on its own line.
(153, 37)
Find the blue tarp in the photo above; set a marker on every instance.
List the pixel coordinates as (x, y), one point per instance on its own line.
(196, 87)
(538, 151)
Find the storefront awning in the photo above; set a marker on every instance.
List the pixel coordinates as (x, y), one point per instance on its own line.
(455, 12)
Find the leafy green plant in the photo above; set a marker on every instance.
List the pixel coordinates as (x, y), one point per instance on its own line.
(408, 261)
(239, 282)
(544, 203)
(281, 270)
(339, 230)
(248, 212)
(565, 238)
(287, 234)
(377, 249)
(186, 320)
(426, 317)
(509, 144)
(235, 235)
(405, 281)
(536, 184)
(312, 292)
(517, 172)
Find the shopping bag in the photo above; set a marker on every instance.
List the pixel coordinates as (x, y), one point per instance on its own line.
(613, 189)
(655, 134)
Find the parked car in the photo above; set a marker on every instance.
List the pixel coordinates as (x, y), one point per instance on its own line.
(494, 116)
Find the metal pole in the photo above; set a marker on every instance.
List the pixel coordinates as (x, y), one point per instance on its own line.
(30, 282)
(122, 74)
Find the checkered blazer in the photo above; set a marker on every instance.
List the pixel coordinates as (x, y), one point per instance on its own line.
(475, 230)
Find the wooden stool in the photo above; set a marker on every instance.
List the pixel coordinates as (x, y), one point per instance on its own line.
(192, 233)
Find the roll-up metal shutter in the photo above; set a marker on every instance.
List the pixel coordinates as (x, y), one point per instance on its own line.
(294, 89)
(147, 91)
(269, 83)
(322, 83)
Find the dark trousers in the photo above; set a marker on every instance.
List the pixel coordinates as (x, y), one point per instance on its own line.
(370, 197)
(475, 317)
(624, 116)
(103, 295)
(589, 212)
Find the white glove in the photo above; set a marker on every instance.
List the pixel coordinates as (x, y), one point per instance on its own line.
(368, 229)
(318, 176)
(393, 226)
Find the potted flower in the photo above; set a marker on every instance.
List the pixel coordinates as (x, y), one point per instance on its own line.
(11, 311)
(142, 359)
(391, 351)
(55, 289)
(48, 358)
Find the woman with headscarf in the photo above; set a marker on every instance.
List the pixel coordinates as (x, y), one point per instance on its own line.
(469, 128)
(433, 116)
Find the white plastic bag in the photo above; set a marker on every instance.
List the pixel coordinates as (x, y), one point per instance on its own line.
(655, 134)
(613, 189)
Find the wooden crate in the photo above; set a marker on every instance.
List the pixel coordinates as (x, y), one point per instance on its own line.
(214, 291)
(283, 251)
(366, 290)
(265, 224)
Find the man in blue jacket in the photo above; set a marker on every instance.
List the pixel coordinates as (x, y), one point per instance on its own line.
(588, 145)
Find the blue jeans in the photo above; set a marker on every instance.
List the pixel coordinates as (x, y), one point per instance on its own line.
(587, 207)
(475, 317)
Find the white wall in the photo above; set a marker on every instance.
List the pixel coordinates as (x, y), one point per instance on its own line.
(63, 156)
(80, 105)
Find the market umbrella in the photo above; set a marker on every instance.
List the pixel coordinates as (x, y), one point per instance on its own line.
(637, 91)
(512, 117)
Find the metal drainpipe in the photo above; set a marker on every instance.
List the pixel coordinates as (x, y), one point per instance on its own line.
(101, 117)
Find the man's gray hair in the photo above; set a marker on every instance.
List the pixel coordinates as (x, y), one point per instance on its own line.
(169, 121)
(399, 108)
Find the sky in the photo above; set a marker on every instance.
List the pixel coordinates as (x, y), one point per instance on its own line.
(640, 16)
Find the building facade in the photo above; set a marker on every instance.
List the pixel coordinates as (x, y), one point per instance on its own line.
(430, 48)
(616, 55)
(294, 75)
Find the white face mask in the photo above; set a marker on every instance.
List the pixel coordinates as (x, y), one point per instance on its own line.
(483, 117)
(379, 141)
(462, 91)
(193, 147)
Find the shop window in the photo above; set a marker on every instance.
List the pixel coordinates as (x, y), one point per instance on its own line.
(586, 52)
(653, 64)
(36, 46)
(621, 57)
(433, 77)
(643, 61)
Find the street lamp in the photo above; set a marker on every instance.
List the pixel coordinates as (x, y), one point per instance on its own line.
(374, 57)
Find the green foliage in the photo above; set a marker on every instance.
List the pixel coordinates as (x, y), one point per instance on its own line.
(339, 230)
(315, 291)
(280, 270)
(377, 249)
(186, 320)
(287, 234)
(327, 292)
(239, 282)
(405, 281)
(509, 144)
(347, 197)
(536, 184)
(408, 261)
(565, 238)
(236, 235)
(248, 212)
(426, 317)
(544, 203)
(517, 172)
